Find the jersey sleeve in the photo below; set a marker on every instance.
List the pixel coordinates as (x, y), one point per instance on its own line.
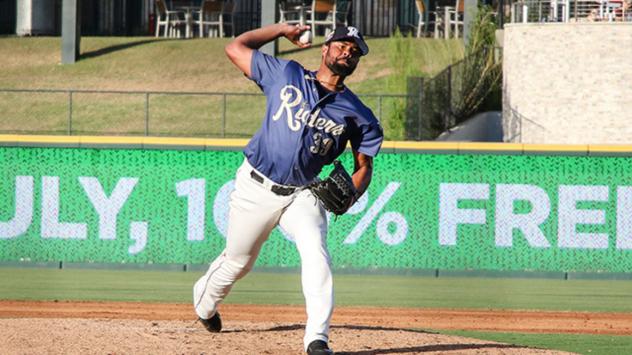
(265, 69)
(369, 140)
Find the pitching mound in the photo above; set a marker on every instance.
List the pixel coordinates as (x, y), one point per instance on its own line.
(139, 328)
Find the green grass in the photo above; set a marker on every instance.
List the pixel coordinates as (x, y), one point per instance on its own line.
(284, 288)
(576, 343)
(150, 64)
(351, 290)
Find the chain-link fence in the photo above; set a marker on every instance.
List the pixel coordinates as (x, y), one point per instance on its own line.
(430, 107)
(454, 95)
(148, 113)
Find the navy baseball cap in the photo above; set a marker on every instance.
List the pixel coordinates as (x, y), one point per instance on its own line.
(348, 33)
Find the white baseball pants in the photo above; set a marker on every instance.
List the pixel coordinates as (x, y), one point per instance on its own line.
(254, 212)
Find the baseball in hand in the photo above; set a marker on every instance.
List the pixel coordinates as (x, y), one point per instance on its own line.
(306, 37)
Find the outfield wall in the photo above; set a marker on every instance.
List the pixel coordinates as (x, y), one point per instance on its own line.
(449, 206)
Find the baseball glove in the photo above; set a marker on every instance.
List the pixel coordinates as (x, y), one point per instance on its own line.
(336, 192)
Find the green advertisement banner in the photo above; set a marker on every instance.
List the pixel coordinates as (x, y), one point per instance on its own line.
(422, 211)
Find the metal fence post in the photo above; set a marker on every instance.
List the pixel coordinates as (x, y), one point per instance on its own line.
(224, 115)
(146, 114)
(413, 113)
(69, 113)
(419, 109)
(446, 119)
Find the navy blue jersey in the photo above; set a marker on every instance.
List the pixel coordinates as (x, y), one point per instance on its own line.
(303, 130)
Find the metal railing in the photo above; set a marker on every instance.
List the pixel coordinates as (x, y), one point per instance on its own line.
(571, 11)
(155, 113)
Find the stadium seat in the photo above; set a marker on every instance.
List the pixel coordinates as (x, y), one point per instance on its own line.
(170, 21)
(320, 13)
(214, 13)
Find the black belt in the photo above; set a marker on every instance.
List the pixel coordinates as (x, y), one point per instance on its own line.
(277, 189)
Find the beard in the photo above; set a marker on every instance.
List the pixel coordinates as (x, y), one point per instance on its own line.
(340, 69)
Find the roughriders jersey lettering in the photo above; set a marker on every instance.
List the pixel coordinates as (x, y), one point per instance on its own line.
(302, 131)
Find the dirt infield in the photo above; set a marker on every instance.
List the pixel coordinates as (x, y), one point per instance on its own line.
(143, 328)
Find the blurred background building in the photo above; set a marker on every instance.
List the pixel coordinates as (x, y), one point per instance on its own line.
(137, 17)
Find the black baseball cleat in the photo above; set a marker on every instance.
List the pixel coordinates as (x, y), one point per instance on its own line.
(319, 347)
(214, 324)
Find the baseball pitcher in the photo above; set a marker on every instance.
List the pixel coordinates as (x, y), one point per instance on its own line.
(309, 119)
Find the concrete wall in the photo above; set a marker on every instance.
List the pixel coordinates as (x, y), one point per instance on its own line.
(567, 83)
